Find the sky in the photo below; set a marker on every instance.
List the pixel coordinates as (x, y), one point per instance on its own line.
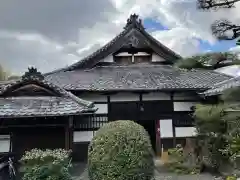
(53, 34)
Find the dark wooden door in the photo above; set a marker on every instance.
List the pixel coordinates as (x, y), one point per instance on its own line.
(149, 126)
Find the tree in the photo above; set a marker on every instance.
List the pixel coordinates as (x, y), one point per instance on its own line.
(3, 74)
(218, 130)
(209, 61)
(221, 28)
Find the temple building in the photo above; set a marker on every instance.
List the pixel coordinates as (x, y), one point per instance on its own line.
(130, 78)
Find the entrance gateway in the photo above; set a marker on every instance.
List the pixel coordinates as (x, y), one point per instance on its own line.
(145, 113)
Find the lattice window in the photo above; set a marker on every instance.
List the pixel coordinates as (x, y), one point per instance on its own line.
(91, 122)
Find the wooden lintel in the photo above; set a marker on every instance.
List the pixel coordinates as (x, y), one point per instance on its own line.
(29, 126)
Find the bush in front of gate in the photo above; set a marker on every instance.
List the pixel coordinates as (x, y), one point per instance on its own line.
(46, 165)
(121, 150)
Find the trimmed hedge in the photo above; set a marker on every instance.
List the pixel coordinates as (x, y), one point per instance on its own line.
(121, 150)
(46, 165)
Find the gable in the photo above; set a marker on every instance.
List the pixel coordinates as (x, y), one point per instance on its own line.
(28, 89)
(32, 83)
(132, 38)
(138, 45)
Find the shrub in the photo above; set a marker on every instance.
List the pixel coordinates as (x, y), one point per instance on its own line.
(121, 150)
(231, 178)
(46, 165)
(179, 162)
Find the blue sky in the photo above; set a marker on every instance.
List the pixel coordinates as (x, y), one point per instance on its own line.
(204, 46)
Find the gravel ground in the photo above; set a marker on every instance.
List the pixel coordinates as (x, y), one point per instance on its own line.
(171, 176)
(161, 176)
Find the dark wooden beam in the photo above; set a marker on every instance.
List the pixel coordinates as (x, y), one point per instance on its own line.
(36, 125)
(158, 138)
(69, 133)
(173, 125)
(109, 107)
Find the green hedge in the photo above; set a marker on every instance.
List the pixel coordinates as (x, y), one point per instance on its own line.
(121, 150)
(46, 165)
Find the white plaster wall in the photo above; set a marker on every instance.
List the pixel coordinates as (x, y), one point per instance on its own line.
(141, 54)
(93, 97)
(5, 143)
(185, 131)
(157, 58)
(109, 58)
(82, 136)
(185, 96)
(156, 96)
(102, 108)
(183, 106)
(123, 54)
(124, 97)
(166, 128)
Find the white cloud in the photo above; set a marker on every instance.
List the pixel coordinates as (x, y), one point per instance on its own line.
(179, 39)
(18, 51)
(187, 24)
(54, 35)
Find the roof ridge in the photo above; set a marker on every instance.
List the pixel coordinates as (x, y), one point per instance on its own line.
(53, 86)
(69, 94)
(84, 59)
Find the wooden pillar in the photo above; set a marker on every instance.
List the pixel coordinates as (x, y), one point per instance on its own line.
(173, 124)
(69, 133)
(71, 129)
(109, 107)
(174, 134)
(158, 138)
(140, 108)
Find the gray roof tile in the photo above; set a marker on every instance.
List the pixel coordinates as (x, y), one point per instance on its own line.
(39, 106)
(136, 77)
(27, 106)
(218, 88)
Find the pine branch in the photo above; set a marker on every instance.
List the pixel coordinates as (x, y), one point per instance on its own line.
(214, 4)
(222, 28)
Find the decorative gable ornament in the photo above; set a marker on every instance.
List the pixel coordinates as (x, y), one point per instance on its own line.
(134, 21)
(133, 41)
(32, 73)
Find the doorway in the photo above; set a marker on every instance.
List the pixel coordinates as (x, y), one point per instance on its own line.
(150, 127)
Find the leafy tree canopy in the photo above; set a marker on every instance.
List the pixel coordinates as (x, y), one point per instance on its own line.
(218, 129)
(209, 61)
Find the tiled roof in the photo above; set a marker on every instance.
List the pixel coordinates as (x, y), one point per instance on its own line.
(27, 106)
(136, 77)
(39, 106)
(218, 88)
